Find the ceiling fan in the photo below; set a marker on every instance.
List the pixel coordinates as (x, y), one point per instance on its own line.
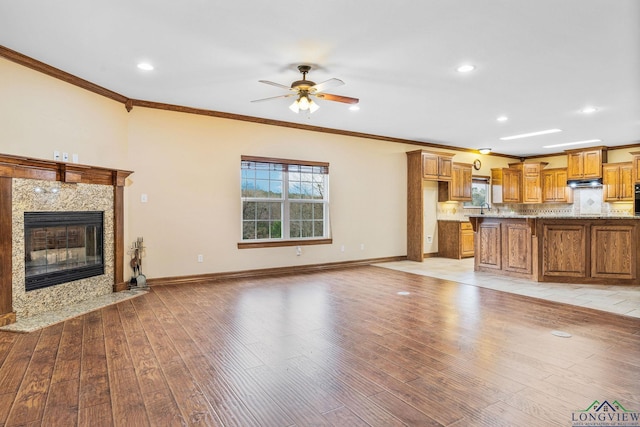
(305, 90)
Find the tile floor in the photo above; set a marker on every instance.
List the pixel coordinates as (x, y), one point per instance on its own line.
(615, 299)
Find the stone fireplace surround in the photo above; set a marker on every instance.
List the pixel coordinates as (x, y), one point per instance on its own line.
(67, 197)
(60, 187)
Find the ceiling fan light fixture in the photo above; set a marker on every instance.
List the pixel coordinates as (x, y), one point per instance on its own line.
(304, 102)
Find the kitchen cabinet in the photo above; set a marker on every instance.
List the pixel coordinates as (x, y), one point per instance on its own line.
(618, 182)
(455, 239)
(554, 186)
(459, 188)
(589, 251)
(422, 166)
(563, 249)
(506, 185)
(586, 163)
(636, 167)
(532, 182)
(437, 166)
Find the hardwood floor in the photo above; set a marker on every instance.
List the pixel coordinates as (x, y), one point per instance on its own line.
(337, 348)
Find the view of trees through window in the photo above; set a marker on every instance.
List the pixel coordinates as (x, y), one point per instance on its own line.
(283, 201)
(479, 193)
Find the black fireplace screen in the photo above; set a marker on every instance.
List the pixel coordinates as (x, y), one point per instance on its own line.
(62, 247)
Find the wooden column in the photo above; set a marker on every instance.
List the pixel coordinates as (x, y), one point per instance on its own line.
(118, 230)
(7, 315)
(415, 207)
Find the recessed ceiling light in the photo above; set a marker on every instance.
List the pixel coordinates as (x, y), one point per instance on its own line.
(587, 141)
(589, 110)
(465, 68)
(527, 135)
(354, 108)
(403, 293)
(502, 118)
(145, 66)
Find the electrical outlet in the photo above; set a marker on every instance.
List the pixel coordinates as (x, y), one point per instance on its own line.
(200, 258)
(56, 156)
(144, 198)
(298, 251)
(429, 239)
(65, 157)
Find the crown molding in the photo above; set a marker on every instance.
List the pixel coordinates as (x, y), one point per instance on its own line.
(129, 103)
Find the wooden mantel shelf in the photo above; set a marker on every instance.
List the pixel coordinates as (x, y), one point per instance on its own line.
(25, 167)
(72, 173)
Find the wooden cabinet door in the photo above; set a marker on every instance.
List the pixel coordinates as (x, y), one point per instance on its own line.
(627, 189)
(489, 241)
(575, 167)
(466, 240)
(618, 182)
(610, 182)
(516, 248)
(549, 186)
(460, 187)
(445, 168)
(531, 189)
(613, 252)
(430, 166)
(564, 250)
(592, 164)
(563, 192)
(636, 167)
(511, 184)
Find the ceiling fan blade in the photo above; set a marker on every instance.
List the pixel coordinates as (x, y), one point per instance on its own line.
(326, 85)
(274, 97)
(275, 84)
(337, 98)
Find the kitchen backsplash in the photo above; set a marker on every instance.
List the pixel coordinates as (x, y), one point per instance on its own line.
(586, 201)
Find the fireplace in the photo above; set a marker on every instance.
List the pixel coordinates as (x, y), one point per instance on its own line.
(61, 247)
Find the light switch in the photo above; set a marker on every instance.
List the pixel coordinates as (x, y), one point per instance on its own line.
(143, 198)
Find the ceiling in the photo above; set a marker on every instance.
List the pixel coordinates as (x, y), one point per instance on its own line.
(538, 62)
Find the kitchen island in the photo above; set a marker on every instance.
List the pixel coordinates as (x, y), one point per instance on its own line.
(583, 249)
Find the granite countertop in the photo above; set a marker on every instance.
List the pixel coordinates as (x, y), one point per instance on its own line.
(515, 216)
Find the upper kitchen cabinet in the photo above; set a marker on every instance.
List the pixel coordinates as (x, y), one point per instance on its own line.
(532, 182)
(459, 188)
(636, 166)
(618, 182)
(437, 166)
(554, 186)
(586, 163)
(506, 185)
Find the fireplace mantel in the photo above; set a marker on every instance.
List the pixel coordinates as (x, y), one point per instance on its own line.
(70, 173)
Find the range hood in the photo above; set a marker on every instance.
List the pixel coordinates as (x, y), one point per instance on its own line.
(585, 183)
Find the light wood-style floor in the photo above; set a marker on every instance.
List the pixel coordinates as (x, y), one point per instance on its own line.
(339, 348)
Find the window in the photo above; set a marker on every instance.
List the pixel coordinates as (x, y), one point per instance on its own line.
(480, 191)
(284, 202)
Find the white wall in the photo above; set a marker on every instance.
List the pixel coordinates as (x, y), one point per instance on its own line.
(189, 167)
